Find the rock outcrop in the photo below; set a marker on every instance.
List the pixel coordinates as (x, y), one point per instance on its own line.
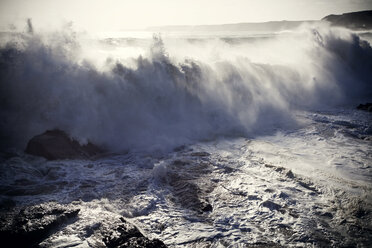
(56, 144)
(366, 107)
(30, 225)
(33, 226)
(126, 235)
(361, 20)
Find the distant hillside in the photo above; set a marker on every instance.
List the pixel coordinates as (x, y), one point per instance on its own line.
(361, 20)
(355, 20)
(255, 27)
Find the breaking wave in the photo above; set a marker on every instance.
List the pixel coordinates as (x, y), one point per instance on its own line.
(179, 91)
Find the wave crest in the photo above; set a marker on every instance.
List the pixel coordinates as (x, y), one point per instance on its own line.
(162, 101)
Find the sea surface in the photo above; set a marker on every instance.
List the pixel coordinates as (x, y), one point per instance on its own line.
(216, 139)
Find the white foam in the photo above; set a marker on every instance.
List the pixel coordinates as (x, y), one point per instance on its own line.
(177, 92)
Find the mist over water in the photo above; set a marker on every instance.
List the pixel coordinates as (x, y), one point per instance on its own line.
(159, 93)
(218, 139)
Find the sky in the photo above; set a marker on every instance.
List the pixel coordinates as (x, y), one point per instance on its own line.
(115, 15)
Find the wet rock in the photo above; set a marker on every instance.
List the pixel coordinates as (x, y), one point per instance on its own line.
(245, 229)
(207, 208)
(269, 166)
(29, 226)
(279, 169)
(366, 107)
(293, 213)
(343, 222)
(159, 227)
(56, 144)
(360, 213)
(307, 185)
(284, 229)
(265, 244)
(89, 230)
(239, 193)
(228, 169)
(253, 198)
(283, 195)
(327, 214)
(186, 193)
(271, 205)
(200, 154)
(289, 174)
(127, 235)
(64, 241)
(286, 172)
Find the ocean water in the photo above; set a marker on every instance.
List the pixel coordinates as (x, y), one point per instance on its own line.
(215, 139)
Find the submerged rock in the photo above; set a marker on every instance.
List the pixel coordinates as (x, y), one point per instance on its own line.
(56, 144)
(127, 235)
(200, 154)
(207, 208)
(30, 225)
(366, 107)
(271, 205)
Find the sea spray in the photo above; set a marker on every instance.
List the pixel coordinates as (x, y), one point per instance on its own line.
(176, 94)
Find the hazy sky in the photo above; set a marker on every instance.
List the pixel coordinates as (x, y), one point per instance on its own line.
(110, 15)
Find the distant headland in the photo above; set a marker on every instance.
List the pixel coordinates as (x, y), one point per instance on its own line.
(361, 20)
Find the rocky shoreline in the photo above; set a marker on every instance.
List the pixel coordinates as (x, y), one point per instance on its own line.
(57, 144)
(30, 226)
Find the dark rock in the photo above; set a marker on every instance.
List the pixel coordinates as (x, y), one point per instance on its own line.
(186, 193)
(89, 230)
(327, 214)
(308, 185)
(353, 20)
(283, 195)
(228, 169)
(200, 154)
(289, 174)
(366, 107)
(207, 208)
(239, 193)
(360, 213)
(293, 213)
(279, 169)
(269, 166)
(269, 190)
(56, 144)
(343, 221)
(126, 235)
(271, 205)
(253, 198)
(245, 229)
(30, 225)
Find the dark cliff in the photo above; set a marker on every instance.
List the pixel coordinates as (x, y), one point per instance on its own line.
(361, 20)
